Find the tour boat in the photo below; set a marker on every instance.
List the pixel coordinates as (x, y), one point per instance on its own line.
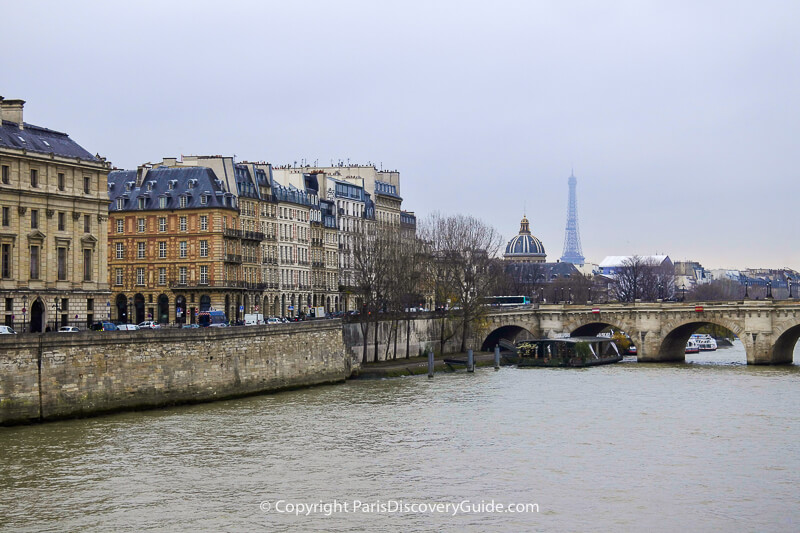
(692, 347)
(566, 352)
(705, 342)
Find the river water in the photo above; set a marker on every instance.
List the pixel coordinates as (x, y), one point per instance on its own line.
(712, 445)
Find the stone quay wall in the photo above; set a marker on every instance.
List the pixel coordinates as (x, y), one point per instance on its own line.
(65, 375)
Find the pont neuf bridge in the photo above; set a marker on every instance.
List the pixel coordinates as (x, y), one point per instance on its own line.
(768, 329)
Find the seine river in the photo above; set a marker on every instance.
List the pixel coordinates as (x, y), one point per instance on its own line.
(711, 445)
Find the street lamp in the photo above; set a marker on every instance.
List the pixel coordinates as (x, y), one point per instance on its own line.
(56, 309)
(746, 287)
(24, 312)
(769, 289)
(789, 281)
(130, 308)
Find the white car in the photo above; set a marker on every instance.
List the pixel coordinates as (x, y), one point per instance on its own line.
(7, 330)
(128, 327)
(68, 329)
(274, 320)
(149, 324)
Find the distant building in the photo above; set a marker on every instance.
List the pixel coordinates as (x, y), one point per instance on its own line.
(525, 248)
(54, 202)
(612, 263)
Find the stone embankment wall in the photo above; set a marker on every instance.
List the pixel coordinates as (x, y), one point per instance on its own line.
(53, 375)
(425, 332)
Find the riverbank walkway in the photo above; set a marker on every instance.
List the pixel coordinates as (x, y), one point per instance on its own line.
(415, 366)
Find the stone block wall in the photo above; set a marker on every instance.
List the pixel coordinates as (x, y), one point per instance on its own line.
(54, 375)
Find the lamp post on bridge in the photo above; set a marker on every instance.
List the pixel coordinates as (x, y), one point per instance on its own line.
(746, 287)
(789, 281)
(769, 289)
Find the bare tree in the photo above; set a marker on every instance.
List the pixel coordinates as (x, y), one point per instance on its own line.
(716, 290)
(463, 249)
(643, 278)
(371, 254)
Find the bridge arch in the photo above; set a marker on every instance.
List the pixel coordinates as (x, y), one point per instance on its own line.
(785, 341)
(672, 346)
(508, 332)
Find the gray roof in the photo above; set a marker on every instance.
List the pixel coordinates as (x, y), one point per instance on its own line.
(42, 140)
(192, 182)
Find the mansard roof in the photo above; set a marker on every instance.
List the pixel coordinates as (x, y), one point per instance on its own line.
(194, 183)
(41, 140)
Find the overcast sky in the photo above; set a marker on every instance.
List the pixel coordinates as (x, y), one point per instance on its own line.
(681, 119)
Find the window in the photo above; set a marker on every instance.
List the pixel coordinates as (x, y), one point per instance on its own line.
(120, 225)
(162, 276)
(87, 223)
(140, 253)
(65, 304)
(61, 181)
(203, 248)
(183, 201)
(182, 275)
(118, 276)
(120, 203)
(162, 202)
(141, 203)
(34, 262)
(204, 222)
(90, 304)
(6, 260)
(62, 221)
(87, 184)
(140, 225)
(9, 304)
(162, 224)
(140, 276)
(120, 251)
(6, 216)
(34, 218)
(183, 223)
(62, 264)
(183, 248)
(87, 265)
(34, 177)
(203, 199)
(6, 174)
(162, 250)
(204, 274)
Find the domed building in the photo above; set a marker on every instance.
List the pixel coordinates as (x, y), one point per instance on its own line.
(525, 248)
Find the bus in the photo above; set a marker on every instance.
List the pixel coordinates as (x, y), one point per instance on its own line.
(506, 301)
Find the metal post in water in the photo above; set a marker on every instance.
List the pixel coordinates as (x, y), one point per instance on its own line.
(430, 364)
(497, 357)
(470, 361)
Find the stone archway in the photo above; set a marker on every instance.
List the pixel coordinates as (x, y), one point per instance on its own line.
(138, 306)
(121, 303)
(672, 347)
(592, 329)
(783, 348)
(38, 317)
(508, 333)
(163, 309)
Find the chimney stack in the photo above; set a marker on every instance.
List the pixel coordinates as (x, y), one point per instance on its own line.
(11, 111)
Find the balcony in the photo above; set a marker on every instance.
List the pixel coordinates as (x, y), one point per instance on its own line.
(233, 258)
(231, 232)
(253, 236)
(318, 264)
(302, 263)
(272, 238)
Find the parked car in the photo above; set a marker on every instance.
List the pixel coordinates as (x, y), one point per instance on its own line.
(190, 326)
(68, 329)
(149, 324)
(7, 330)
(104, 326)
(274, 320)
(128, 327)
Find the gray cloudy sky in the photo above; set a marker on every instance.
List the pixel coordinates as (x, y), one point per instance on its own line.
(681, 119)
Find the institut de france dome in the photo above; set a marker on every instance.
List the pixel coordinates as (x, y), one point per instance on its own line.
(525, 248)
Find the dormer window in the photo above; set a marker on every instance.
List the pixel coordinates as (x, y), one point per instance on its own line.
(128, 186)
(141, 203)
(203, 199)
(192, 183)
(172, 184)
(162, 202)
(120, 203)
(183, 201)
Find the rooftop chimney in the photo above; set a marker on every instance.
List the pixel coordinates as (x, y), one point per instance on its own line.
(11, 110)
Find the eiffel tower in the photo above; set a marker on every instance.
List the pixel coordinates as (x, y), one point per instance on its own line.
(572, 238)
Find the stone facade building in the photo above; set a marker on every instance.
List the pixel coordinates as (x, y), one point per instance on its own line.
(53, 228)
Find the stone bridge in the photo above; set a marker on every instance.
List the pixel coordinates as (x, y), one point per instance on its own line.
(768, 329)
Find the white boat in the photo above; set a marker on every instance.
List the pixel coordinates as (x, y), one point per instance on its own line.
(692, 346)
(705, 342)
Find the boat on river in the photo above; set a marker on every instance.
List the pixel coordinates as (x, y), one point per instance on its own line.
(705, 342)
(572, 352)
(692, 347)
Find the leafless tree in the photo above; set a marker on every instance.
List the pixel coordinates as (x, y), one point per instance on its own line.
(642, 278)
(371, 254)
(716, 290)
(463, 249)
